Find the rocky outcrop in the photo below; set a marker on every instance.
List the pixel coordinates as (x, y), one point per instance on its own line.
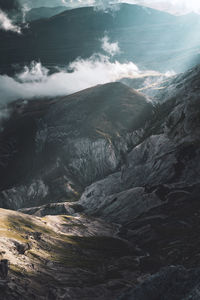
(52, 149)
(134, 234)
(64, 208)
(164, 163)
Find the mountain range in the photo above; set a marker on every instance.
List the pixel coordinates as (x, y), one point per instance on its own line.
(99, 189)
(142, 205)
(59, 40)
(43, 13)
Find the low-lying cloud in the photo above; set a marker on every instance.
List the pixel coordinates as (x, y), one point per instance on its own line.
(36, 81)
(109, 47)
(7, 24)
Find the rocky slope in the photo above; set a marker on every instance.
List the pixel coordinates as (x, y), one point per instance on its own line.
(134, 234)
(52, 149)
(164, 162)
(60, 257)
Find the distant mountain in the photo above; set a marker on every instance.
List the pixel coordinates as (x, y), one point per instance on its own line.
(44, 12)
(150, 38)
(41, 3)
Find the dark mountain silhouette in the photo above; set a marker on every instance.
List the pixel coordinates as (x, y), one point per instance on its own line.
(150, 38)
(44, 12)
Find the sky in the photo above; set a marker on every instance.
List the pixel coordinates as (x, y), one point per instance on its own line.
(173, 6)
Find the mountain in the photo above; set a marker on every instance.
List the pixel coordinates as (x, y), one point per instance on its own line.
(133, 234)
(44, 12)
(56, 147)
(163, 163)
(150, 38)
(40, 3)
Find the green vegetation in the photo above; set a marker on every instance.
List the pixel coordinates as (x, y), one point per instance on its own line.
(69, 251)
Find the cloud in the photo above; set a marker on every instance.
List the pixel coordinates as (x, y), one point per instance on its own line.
(7, 24)
(35, 80)
(8, 10)
(110, 48)
(173, 6)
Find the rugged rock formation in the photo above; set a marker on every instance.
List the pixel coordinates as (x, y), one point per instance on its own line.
(51, 149)
(134, 234)
(164, 163)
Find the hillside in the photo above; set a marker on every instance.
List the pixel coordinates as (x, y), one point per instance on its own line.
(125, 238)
(44, 12)
(58, 146)
(59, 40)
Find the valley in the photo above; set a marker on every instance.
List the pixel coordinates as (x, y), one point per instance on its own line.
(99, 188)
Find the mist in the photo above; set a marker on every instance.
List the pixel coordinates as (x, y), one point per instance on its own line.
(36, 81)
(7, 24)
(8, 9)
(110, 48)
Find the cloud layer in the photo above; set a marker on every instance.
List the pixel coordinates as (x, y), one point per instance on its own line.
(110, 48)
(35, 80)
(7, 24)
(173, 6)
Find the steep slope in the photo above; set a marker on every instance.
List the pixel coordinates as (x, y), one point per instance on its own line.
(164, 162)
(151, 251)
(156, 194)
(61, 39)
(60, 257)
(51, 149)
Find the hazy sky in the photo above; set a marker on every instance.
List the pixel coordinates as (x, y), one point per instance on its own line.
(175, 6)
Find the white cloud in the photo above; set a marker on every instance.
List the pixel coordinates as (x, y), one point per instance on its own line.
(35, 81)
(171, 6)
(6, 24)
(110, 48)
(174, 6)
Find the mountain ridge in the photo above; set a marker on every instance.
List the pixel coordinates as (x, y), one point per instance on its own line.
(125, 237)
(88, 125)
(79, 32)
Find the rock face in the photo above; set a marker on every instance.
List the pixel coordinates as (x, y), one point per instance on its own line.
(52, 149)
(163, 165)
(133, 234)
